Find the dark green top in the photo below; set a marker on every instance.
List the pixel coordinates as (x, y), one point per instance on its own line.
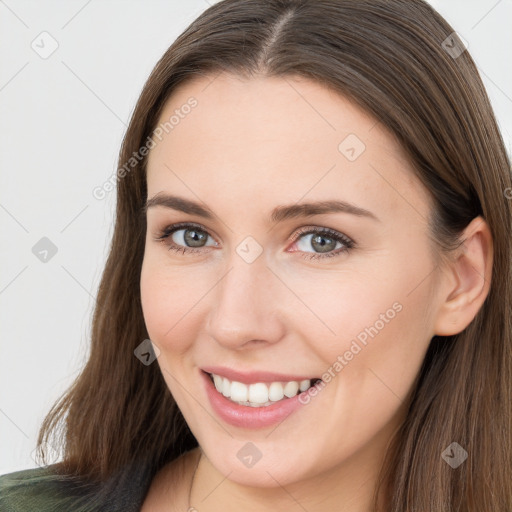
(43, 490)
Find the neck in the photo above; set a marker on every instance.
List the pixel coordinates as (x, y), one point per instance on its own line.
(351, 484)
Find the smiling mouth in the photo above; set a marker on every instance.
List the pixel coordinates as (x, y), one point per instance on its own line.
(259, 394)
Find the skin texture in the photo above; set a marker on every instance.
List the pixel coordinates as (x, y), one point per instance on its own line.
(247, 147)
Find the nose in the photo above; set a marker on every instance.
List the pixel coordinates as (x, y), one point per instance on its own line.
(247, 307)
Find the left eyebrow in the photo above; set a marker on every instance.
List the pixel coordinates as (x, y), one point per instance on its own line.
(282, 213)
(279, 214)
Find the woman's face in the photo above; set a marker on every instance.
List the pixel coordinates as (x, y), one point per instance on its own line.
(253, 288)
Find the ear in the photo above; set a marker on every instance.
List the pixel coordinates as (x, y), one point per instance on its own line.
(467, 280)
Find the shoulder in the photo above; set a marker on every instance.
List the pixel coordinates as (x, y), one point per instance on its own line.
(32, 489)
(47, 489)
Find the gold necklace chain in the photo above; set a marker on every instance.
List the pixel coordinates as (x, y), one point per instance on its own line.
(190, 508)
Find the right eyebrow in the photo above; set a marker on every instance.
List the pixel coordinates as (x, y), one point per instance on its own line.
(180, 204)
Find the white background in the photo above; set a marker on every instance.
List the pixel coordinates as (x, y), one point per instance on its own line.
(62, 122)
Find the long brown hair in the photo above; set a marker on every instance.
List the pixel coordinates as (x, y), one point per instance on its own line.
(392, 59)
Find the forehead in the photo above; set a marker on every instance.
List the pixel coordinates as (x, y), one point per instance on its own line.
(285, 137)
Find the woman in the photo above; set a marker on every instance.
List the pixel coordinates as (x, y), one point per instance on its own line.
(307, 299)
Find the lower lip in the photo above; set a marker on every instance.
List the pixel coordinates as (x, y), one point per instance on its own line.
(247, 416)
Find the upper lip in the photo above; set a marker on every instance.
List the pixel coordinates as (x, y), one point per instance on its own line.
(254, 376)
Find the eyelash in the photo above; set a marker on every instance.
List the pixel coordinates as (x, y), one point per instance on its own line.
(338, 237)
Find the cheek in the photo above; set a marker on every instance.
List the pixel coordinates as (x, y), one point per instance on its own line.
(384, 353)
(170, 300)
(158, 303)
(338, 307)
(371, 322)
(153, 300)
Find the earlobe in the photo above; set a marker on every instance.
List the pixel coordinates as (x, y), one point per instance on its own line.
(467, 280)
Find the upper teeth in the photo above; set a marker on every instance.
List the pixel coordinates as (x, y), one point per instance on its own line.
(259, 393)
